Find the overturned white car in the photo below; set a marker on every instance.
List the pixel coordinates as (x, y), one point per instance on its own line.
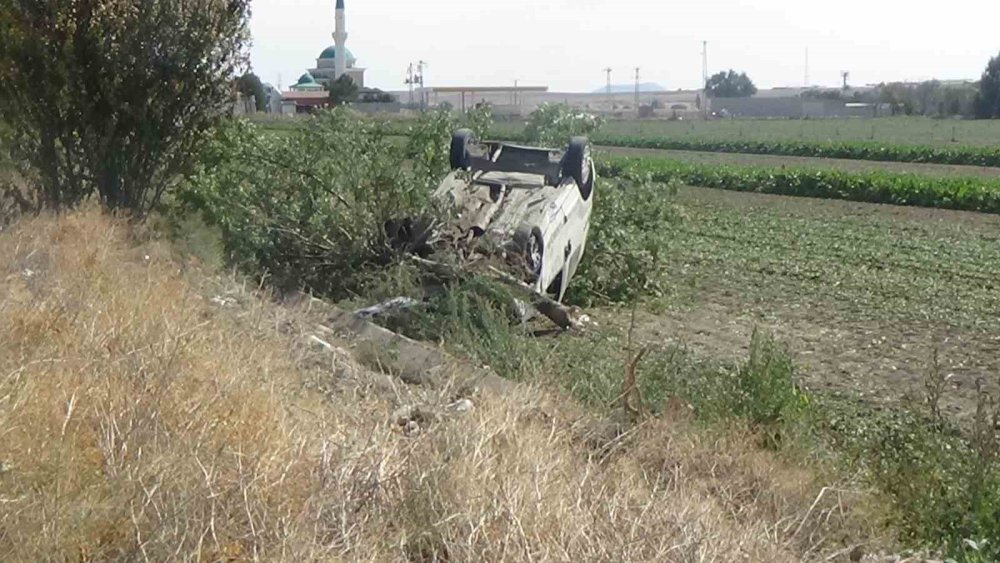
(534, 204)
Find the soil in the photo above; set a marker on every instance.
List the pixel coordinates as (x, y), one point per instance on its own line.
(842, 340)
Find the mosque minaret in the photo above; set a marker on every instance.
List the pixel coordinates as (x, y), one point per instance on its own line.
(340, 39)
(335, 61)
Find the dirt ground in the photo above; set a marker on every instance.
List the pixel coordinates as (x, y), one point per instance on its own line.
(862, 322)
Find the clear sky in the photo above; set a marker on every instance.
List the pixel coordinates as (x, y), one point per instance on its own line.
(565, 44)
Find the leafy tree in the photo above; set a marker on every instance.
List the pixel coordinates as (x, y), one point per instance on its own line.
(896, 95)
(988, 99)
(343, 90)
(730, 85)
(250, 85)
(954, 107)
(926, 95)
(114, 96)
(378, 97)
(552, 125)
(821, 94)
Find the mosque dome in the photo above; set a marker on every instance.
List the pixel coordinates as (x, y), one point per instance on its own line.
(331, 53)
(306, 79)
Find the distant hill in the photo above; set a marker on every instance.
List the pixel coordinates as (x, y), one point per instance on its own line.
(629, 88)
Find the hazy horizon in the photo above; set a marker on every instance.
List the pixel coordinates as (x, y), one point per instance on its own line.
(566, 44)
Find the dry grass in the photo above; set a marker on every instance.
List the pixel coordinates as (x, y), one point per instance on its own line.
(140, 420)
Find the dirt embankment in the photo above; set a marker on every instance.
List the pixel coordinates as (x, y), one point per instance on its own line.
(154, 411)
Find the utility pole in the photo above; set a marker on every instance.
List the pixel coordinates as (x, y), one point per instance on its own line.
(704, 78)
(611, 96)
(637, 89)
(420, 80)
(704, 64)
(516, 101)
(806, 84)
(845, 74)
(410, 81)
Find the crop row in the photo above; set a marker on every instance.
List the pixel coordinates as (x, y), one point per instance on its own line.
(969, 194)
(853, 150)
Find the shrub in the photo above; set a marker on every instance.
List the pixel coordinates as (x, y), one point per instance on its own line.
(943, 483)
(629, 233)
(307, 209)
(553, 125)
(113, 97)
(428, 140)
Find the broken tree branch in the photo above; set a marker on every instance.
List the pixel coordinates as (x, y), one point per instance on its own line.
(550, 308)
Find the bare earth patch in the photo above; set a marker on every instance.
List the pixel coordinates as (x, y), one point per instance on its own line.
(862, 294)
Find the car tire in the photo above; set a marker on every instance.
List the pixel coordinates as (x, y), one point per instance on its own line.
(534, 255)
(461, 159)
(579, 165)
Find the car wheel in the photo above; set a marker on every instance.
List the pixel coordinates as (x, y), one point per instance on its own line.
(534, 254)
(460, 142)
(579, 165)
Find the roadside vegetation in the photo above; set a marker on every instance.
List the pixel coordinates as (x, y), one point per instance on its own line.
(154, 410)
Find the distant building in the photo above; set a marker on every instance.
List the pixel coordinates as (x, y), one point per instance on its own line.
(307, 83)
(326, 67)
(335, 61)
(273, 99)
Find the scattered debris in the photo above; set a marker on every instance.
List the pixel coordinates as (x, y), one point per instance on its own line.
(461, 406)
(223, 302)
(387, 308)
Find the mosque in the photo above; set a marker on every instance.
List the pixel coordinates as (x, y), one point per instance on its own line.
(335, 61)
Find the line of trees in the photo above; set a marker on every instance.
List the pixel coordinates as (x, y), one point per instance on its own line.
(932, 98)
(987, 103)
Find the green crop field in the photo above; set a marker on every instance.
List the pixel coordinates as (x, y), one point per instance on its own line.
(865, 293)
(894, 130)
(931, 170)
(874, 186)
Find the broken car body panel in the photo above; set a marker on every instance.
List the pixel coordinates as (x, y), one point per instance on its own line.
(526, 202)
